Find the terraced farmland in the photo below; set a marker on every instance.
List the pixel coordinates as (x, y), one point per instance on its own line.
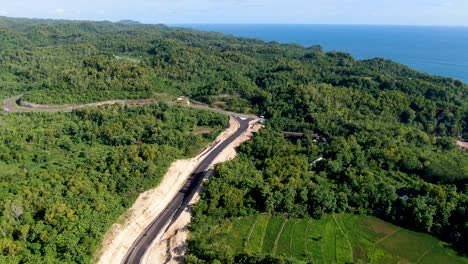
(333, 239)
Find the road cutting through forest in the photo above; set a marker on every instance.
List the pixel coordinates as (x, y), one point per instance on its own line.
(154, 229)
(171, 246)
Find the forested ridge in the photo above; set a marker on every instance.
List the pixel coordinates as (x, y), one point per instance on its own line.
(386, 132)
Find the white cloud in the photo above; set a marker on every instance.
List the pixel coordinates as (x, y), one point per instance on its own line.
(59, 10)
(3, 13)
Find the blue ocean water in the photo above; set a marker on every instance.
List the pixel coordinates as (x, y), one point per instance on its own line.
(437, 50)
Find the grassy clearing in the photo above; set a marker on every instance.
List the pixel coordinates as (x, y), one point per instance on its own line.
(7, 169)
(342, 239)
(126, 59)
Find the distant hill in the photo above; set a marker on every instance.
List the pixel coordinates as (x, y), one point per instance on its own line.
(129, 22)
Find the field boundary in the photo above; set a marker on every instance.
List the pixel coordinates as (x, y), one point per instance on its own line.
(346, 236)
(387, 236)
(341, 238)
(427, 252)
(291, 239)
(321, 244)
(250, 232)
(278, 237)
(264, 233)
(306, 251)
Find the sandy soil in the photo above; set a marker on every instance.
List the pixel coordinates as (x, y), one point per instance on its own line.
(463, 145)
(24, 106)
(149, 204)
(73, 106)
(171, 246)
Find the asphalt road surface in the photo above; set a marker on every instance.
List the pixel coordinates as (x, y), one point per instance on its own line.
(180, 201)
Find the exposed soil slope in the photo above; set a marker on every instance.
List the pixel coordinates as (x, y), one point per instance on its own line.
(149, 204)
(171, 246)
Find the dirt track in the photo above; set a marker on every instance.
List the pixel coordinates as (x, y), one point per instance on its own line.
(16, 105)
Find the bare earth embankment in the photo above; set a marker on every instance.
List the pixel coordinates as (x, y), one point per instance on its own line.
(149, 204)
(171, 246)
(463, 145)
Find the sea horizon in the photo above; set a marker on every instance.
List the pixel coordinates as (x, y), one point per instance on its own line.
(438, 50)
(298, 24)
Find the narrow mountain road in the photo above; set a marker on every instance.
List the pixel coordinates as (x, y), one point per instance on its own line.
(180, 201)
(10, 105)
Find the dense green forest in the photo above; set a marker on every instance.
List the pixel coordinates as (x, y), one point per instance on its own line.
(385, 132)
(66, 177)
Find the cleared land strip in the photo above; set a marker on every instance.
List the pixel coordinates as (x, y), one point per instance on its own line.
(16, 105)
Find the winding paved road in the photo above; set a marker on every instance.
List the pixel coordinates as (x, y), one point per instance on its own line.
(190, 187)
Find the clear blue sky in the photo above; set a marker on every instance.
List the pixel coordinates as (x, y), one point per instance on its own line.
(389, 12)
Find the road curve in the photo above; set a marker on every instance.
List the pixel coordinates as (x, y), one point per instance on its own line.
(185, 194)
(10, 105)
(181, 200)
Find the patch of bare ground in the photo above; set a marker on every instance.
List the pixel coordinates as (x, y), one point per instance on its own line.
(403, 261)
(149, 204)
(360, 254)
(23, 103)
(463, 145)
(172, 245)
(382, 228)
(201, 130)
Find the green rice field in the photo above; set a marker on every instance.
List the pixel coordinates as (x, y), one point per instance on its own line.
(339, 238)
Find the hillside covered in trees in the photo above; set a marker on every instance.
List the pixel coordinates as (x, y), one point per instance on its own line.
(386, 132)
(65, 178)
